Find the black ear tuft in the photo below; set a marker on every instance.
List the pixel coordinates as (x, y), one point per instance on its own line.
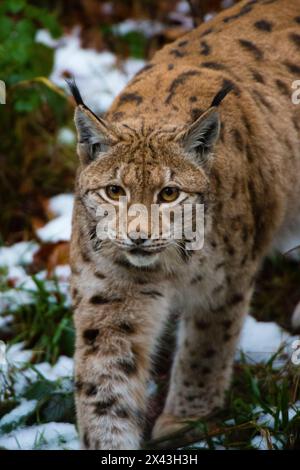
(221, 94)
(74, 90)
(78, 98)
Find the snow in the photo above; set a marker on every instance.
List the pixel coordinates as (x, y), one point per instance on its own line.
(25, 408)
(17, 356)
(66, 136)
(204, 445)
(5, 321)
(147, 27)
(25, 287)
(268, 420)
(12, 299)
(294, 410)
(97, 74)
(54, 436)
(17, 274)
(208, 16)
(62, 272)
(61, 204)
(63, 368)
(183, 7)
(14, 256)
(199, 445)
(58, 229)
(260, 443)
(259, 341)
(44, 37)
(185, 21)
(18, 254)
(45, 436)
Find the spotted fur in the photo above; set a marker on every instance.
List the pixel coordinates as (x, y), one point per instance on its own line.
(212, 113)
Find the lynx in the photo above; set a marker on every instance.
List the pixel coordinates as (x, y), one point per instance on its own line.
(209, 120)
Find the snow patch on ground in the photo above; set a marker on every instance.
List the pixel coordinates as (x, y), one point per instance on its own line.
(268, 419)
(97, 74)
(259, 341)
(261, 443)
(25, 288)
(58, 229)
(17, 356)
(54, 436)
(18, 254)
(63, 369)
(147, 27)
(62, 272)
(14, 417)
(49, 436)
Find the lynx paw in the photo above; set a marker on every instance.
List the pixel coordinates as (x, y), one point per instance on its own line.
(167, 424)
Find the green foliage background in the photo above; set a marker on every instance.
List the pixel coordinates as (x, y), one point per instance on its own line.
(32, 162)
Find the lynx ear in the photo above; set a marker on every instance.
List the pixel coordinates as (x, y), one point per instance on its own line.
(199, 138)
(202, 134)
(93, 133)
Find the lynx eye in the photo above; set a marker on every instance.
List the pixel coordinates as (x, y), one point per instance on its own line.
(169, 194)
(114, 192)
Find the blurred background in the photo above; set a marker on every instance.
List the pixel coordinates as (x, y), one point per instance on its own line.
(102, 44)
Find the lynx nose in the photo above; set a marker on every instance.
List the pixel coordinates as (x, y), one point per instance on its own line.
(138, 238)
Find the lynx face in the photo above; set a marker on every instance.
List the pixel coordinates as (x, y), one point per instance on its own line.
(148, 175)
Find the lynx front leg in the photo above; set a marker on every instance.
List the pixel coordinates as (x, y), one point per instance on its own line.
(203, 363)
(115, 339)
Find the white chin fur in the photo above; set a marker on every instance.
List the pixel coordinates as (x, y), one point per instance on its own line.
(142, 261)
